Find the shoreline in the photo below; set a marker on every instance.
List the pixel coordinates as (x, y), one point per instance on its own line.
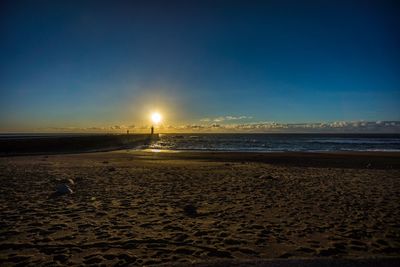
(367, 160)
(332, 159)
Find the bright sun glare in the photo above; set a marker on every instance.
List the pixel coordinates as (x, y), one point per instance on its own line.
(156, 117)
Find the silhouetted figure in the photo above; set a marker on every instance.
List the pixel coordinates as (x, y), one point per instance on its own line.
(152, 130)
(127, 131)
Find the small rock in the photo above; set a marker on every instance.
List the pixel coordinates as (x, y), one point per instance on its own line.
(382, 242)
(328, 252)
(340, 245)
(63, 189)
(184, 251)
(357, 243)
(180, 237)
(128, 258)
(267, 177)
(200, 233)
(223, 234)
(220, 254)
(16, 258)
(286, 255)
(190, 210)
(306, 250)
(109, 256)
(230, 241)
(247, 251)
(93, 260)
(390, 250)
(60, 258)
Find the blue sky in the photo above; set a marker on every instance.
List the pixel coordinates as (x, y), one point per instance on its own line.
(99, 63)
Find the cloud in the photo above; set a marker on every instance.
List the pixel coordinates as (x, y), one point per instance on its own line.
(225, 118)
(251, 127)
(320, 127)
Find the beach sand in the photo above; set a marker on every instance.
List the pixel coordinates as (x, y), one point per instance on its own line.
(145, 208)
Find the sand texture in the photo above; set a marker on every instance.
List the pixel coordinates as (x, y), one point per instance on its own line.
(144, 209)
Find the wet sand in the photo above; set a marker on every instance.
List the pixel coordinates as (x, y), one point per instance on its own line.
(145, 208)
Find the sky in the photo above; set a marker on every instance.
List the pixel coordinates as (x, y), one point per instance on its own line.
(204, 65)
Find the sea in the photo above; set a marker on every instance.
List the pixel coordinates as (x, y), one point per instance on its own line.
(279, 142)
(276, 142)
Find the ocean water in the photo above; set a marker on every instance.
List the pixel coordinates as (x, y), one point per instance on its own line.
(258, 142)
(278, 142)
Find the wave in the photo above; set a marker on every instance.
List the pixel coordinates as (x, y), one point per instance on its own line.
(276, 143)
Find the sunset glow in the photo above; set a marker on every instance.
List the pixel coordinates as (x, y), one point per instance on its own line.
(155, 117)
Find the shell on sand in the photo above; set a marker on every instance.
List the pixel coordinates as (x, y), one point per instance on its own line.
(63, 189)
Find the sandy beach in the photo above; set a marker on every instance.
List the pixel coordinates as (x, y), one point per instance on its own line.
(149, 208)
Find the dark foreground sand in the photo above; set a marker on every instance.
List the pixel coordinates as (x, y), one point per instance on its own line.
(140, 208)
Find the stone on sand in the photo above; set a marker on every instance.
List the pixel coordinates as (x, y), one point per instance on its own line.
(63, 189)
(190, 210)
(267, 177)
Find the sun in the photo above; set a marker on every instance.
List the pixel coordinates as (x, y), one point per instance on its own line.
(156, 117)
